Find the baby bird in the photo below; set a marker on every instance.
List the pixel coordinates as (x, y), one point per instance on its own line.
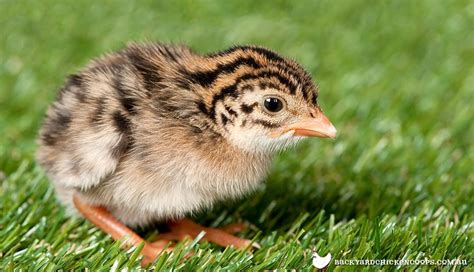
(155, 132)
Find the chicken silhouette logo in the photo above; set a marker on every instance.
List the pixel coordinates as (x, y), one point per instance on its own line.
(321, 262)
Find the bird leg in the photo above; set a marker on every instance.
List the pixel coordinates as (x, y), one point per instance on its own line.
(185, 228)
(104, 220)
(180, 230)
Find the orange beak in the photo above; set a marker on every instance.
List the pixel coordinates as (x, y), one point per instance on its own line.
(316, 126)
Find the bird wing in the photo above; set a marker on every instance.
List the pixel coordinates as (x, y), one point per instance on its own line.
(85, 134)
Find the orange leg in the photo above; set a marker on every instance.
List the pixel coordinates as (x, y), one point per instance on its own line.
(180, 230)
(104, 220)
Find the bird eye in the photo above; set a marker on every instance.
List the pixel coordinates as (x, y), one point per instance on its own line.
(273, 104)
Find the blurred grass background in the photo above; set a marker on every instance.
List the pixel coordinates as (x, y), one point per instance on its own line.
(396, 78)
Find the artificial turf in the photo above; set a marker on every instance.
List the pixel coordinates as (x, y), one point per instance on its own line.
(396, 78)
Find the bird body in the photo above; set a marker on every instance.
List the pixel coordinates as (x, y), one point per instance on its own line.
(154, 132)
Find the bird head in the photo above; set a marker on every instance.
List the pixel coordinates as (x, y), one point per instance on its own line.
(260, 101)
(270, 119)
(254, 98)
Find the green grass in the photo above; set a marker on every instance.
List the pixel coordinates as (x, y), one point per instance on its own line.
(396, 78)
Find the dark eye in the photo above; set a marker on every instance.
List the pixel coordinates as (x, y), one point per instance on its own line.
(273, 104)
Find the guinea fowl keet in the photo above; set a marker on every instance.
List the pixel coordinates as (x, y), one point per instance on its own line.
(155, 132)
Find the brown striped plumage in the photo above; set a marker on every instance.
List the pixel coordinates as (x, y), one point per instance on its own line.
(157, 131)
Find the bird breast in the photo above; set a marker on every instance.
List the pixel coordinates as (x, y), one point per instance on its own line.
(178, 182)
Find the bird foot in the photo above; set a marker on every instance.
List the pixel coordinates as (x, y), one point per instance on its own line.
(187, 229)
